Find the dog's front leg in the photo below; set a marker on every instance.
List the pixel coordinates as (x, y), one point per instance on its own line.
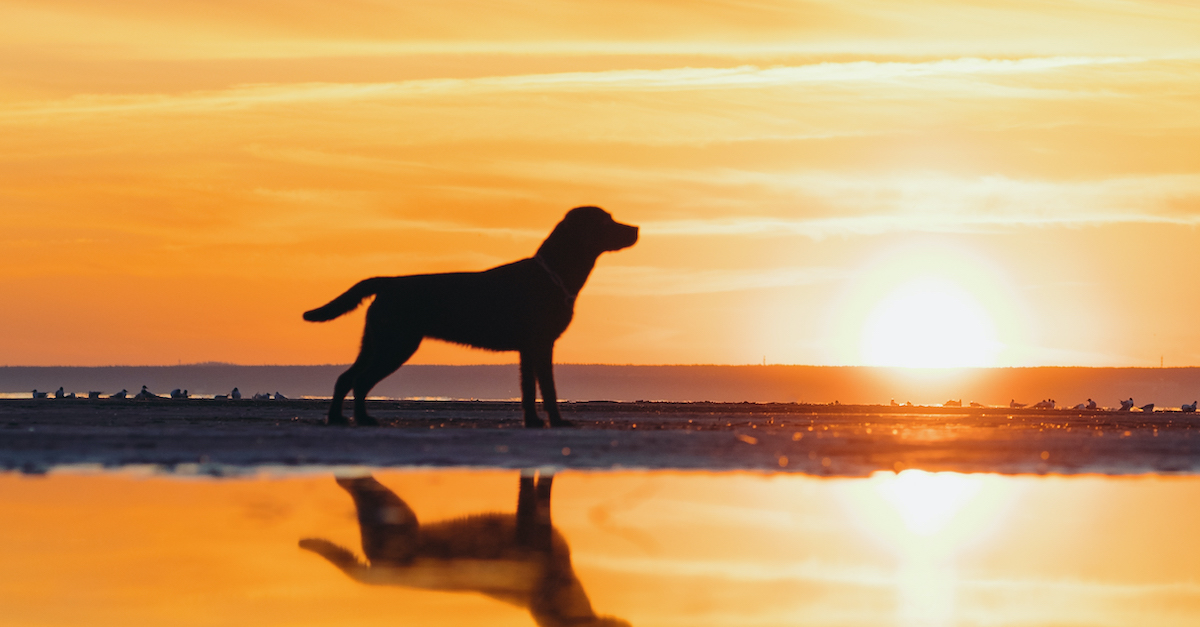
(529, 392)
(543, 365)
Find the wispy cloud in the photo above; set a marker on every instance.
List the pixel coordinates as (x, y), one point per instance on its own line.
(744, 77)
(655, 281)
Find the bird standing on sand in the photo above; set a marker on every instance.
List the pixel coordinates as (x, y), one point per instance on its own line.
(1126, 405)
(235, 394)
(1013, 404)
(145, 394)
(1149, 408)
(1091, 404)
(1188, 409)
(37, 394)
(122, 394)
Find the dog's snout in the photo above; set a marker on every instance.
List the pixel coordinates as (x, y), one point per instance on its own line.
(628, 235)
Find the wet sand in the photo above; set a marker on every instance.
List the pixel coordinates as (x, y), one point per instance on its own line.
(231, 437)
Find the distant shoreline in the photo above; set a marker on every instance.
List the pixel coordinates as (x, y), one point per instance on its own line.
(855, 385)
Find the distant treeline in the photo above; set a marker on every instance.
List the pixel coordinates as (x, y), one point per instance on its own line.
(1166, 387)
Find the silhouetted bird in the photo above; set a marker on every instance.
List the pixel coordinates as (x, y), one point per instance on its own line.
(1091, 404)
(1147, 408)
(61, 394)
(145, 394)
(1126, 405)
(235, 395)
(280, 397)
(37, 394)
(1188, 408)
(1013, 404)
(974, 404)
(178, 393)
(93, 396)
(122, 394)
(957, 403)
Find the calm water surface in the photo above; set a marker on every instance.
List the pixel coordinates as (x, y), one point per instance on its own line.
(459, 547)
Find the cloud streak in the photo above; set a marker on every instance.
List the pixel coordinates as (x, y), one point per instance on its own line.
(858, 73)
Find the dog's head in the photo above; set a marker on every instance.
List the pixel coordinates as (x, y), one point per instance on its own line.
(591, 231)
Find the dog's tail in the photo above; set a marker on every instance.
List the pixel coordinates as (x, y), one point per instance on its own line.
(346, 302)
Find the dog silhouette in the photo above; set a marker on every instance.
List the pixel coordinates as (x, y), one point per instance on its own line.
(523, 306)
(519, 559)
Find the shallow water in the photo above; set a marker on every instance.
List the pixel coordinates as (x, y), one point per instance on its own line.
(650, 548)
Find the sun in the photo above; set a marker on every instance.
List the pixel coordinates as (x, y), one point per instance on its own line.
(929, 322)
(928, 305)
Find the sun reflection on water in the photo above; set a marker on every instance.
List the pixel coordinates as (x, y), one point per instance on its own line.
(925, 520)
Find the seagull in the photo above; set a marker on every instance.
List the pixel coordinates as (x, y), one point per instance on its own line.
(61, 394)
(93, 395)
(262, 397)
(1013, 404)
(235, 394)
(1091, 404)
(145, 393)
(280, 397)
(178, 393)
(37, 394)
(122, 394)
(1147, 408)
(1079, 406)
(957, 403)
(1188, 408)
(974, 404)
(1126, 405)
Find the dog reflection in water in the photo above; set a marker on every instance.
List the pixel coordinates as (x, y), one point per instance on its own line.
(520, 559)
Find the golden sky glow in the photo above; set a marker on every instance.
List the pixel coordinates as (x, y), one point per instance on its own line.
(180, 180)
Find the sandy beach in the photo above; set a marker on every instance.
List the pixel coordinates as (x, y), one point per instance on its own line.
(232, 437)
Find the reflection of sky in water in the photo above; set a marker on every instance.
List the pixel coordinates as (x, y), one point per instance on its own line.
(653, 548)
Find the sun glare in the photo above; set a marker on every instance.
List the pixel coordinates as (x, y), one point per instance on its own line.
(929, 322)
(928, 305)
(926, 519)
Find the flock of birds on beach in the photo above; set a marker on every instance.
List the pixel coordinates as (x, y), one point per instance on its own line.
(146, 394)
(235, 395)
(1049, 403)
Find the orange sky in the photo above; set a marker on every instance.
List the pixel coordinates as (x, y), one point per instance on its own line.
(180, 180)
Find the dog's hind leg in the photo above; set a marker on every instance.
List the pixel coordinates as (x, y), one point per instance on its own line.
(340, 389)
(382, 356)
(534, 529)
(543, 365)
(529, 392)
(388, 525)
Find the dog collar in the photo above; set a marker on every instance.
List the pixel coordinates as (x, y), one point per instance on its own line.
(554, 277)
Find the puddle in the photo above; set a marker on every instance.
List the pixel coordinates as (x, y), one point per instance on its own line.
(643, 548)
